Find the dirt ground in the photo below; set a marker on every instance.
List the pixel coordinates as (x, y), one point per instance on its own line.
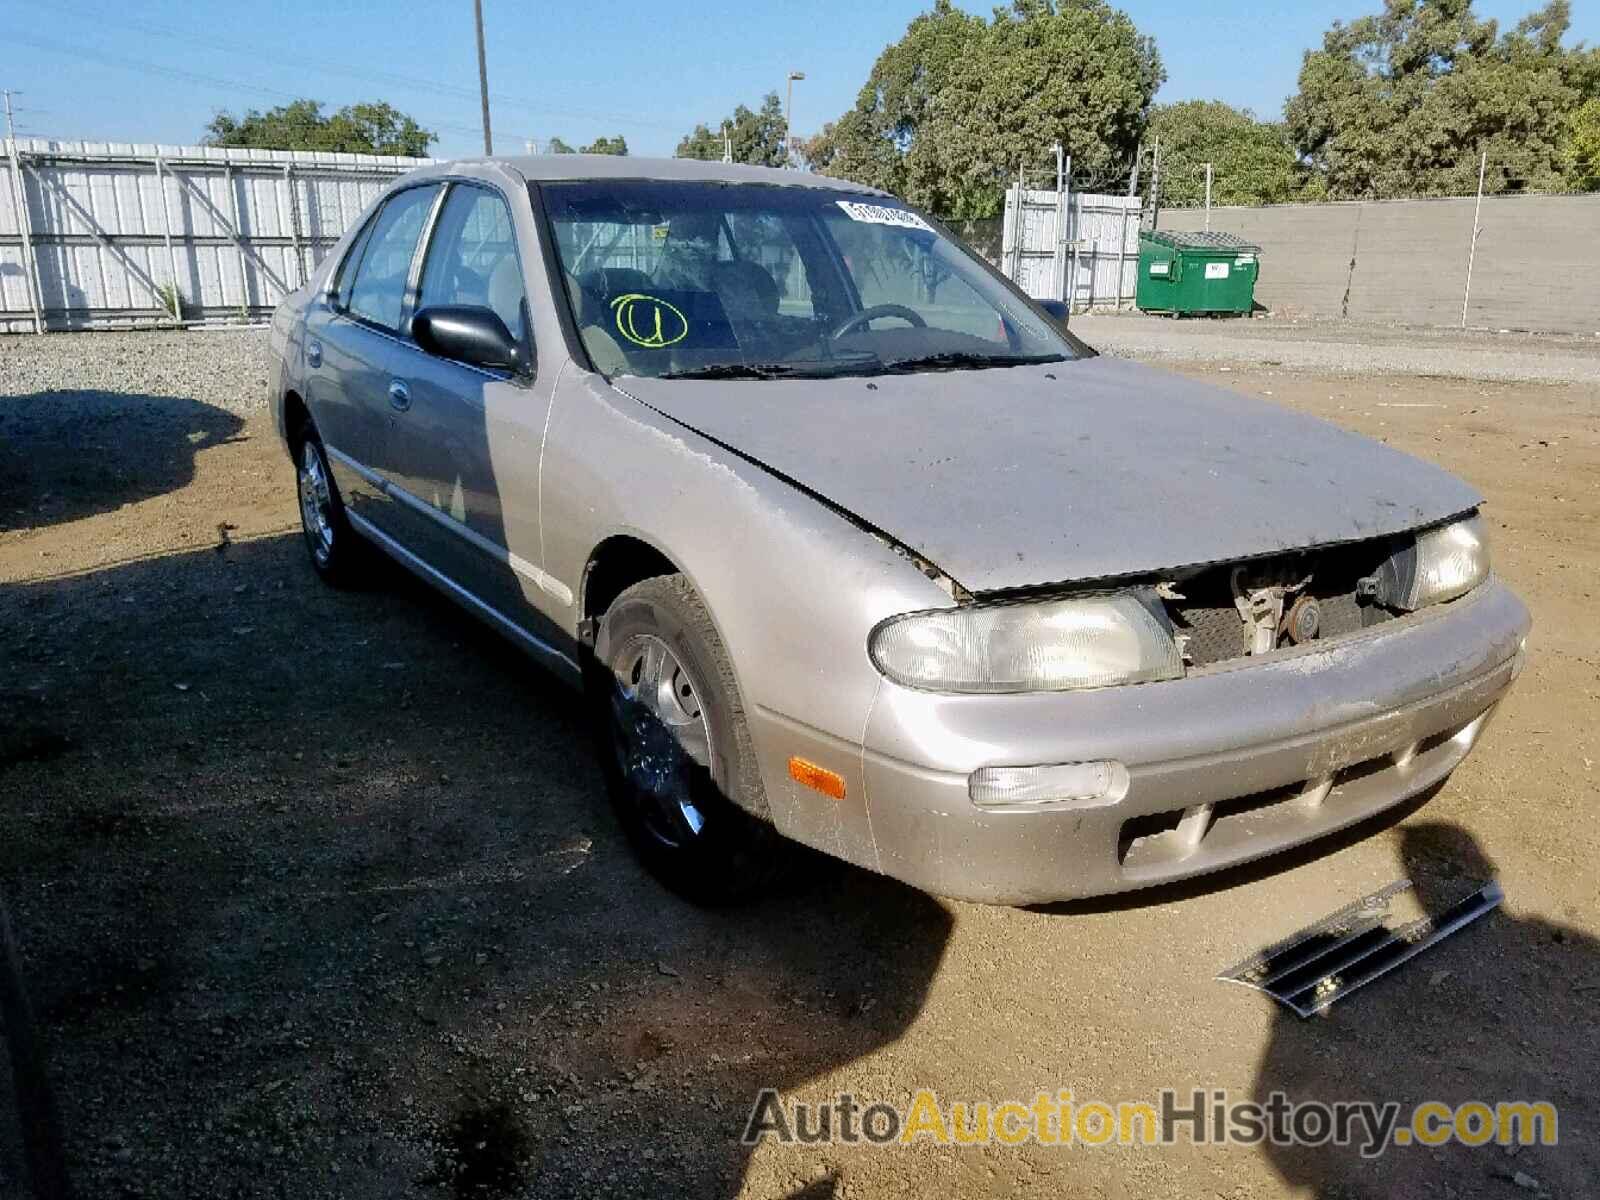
(319, 895)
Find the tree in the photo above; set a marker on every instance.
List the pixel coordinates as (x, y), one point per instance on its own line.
(819, 151)
(374, 128)
(1077, 72)
(601, 145)
(951, 110)
(608, 145)
(703, 144)
(757, 136)
(1253, 161)
(876, 142)
(1404, 101)
(1580, 146)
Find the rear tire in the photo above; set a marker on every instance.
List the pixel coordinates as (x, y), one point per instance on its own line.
(679, 762)
(330, 540)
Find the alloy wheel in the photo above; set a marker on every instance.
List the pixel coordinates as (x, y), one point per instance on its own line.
(660, 737)
(316, 504)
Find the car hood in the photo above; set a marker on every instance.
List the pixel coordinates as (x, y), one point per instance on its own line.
(1018, 476)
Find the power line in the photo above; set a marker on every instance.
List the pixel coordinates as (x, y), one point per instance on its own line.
(391, 79)
(214, 81)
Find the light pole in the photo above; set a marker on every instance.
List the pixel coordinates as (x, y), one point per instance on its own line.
(788, 107)
(483, 76)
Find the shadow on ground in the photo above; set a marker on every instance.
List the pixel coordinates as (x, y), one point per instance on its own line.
(1487, 1015)
(67, 454)
(319, 896)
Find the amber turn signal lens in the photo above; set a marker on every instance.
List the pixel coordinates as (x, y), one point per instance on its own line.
(817, 778)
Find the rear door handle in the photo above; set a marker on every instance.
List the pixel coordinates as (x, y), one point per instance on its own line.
(399, 395)
(314, 353)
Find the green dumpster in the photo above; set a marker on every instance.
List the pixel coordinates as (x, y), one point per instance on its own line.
(1183, 272)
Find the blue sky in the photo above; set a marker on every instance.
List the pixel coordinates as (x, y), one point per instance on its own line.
(155, 71)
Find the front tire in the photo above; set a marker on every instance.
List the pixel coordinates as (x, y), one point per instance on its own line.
(679, 762)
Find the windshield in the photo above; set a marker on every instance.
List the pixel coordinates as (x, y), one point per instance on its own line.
(725, 280)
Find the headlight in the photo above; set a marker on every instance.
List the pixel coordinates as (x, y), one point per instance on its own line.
(1442, 563)
(1052, 645)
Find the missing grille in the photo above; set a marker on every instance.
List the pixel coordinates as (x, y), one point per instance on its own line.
(1213, 630)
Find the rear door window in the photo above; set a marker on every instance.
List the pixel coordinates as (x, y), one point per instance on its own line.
(347, 268)
(378, 291)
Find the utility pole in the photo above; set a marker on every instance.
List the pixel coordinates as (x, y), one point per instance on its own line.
(1472, 250)
(1208, 197)
(19, 199)
(1122, 242)
(483, 77)
(1063, 277)
(788, 107)
(1155, 184)
(1015, 273)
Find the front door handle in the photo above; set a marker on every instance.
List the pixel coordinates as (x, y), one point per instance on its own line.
(314, 353)
(399, 395)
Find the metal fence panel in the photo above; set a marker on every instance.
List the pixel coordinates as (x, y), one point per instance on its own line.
(1106, 230)
(88, 246)
(1096, 263)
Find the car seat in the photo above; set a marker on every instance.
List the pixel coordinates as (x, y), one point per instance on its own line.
(747, 291)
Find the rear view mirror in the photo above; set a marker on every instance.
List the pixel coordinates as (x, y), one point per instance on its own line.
(469, 334)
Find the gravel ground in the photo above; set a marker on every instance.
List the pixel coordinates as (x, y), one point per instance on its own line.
(227, 368)
(223, 368)
(319, 896)
(1342, 347)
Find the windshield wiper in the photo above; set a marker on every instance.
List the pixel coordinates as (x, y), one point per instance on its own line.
(777, 370)
(953, 360)
(736, 371)
(961, 360)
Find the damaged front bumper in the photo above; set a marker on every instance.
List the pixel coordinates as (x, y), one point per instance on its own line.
(1230, 763)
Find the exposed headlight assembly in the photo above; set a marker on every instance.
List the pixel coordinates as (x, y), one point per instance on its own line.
(1044, 646)
(1441, 564)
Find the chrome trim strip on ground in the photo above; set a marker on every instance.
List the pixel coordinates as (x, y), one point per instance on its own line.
(1350, 948)
(541, 579)
(548, 655)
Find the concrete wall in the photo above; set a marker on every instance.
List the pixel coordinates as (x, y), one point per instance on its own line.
(1537, 264)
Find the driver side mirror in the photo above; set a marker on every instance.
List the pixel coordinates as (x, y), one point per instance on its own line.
(1060, 310)
(469, 334)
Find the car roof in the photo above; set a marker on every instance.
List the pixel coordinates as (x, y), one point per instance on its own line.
(549, 167)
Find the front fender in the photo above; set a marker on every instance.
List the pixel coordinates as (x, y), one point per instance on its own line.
(794, 586)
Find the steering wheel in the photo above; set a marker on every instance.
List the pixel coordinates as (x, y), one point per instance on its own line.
(868, 315)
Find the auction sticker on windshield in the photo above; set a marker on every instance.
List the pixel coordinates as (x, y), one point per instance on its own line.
(877, 214)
